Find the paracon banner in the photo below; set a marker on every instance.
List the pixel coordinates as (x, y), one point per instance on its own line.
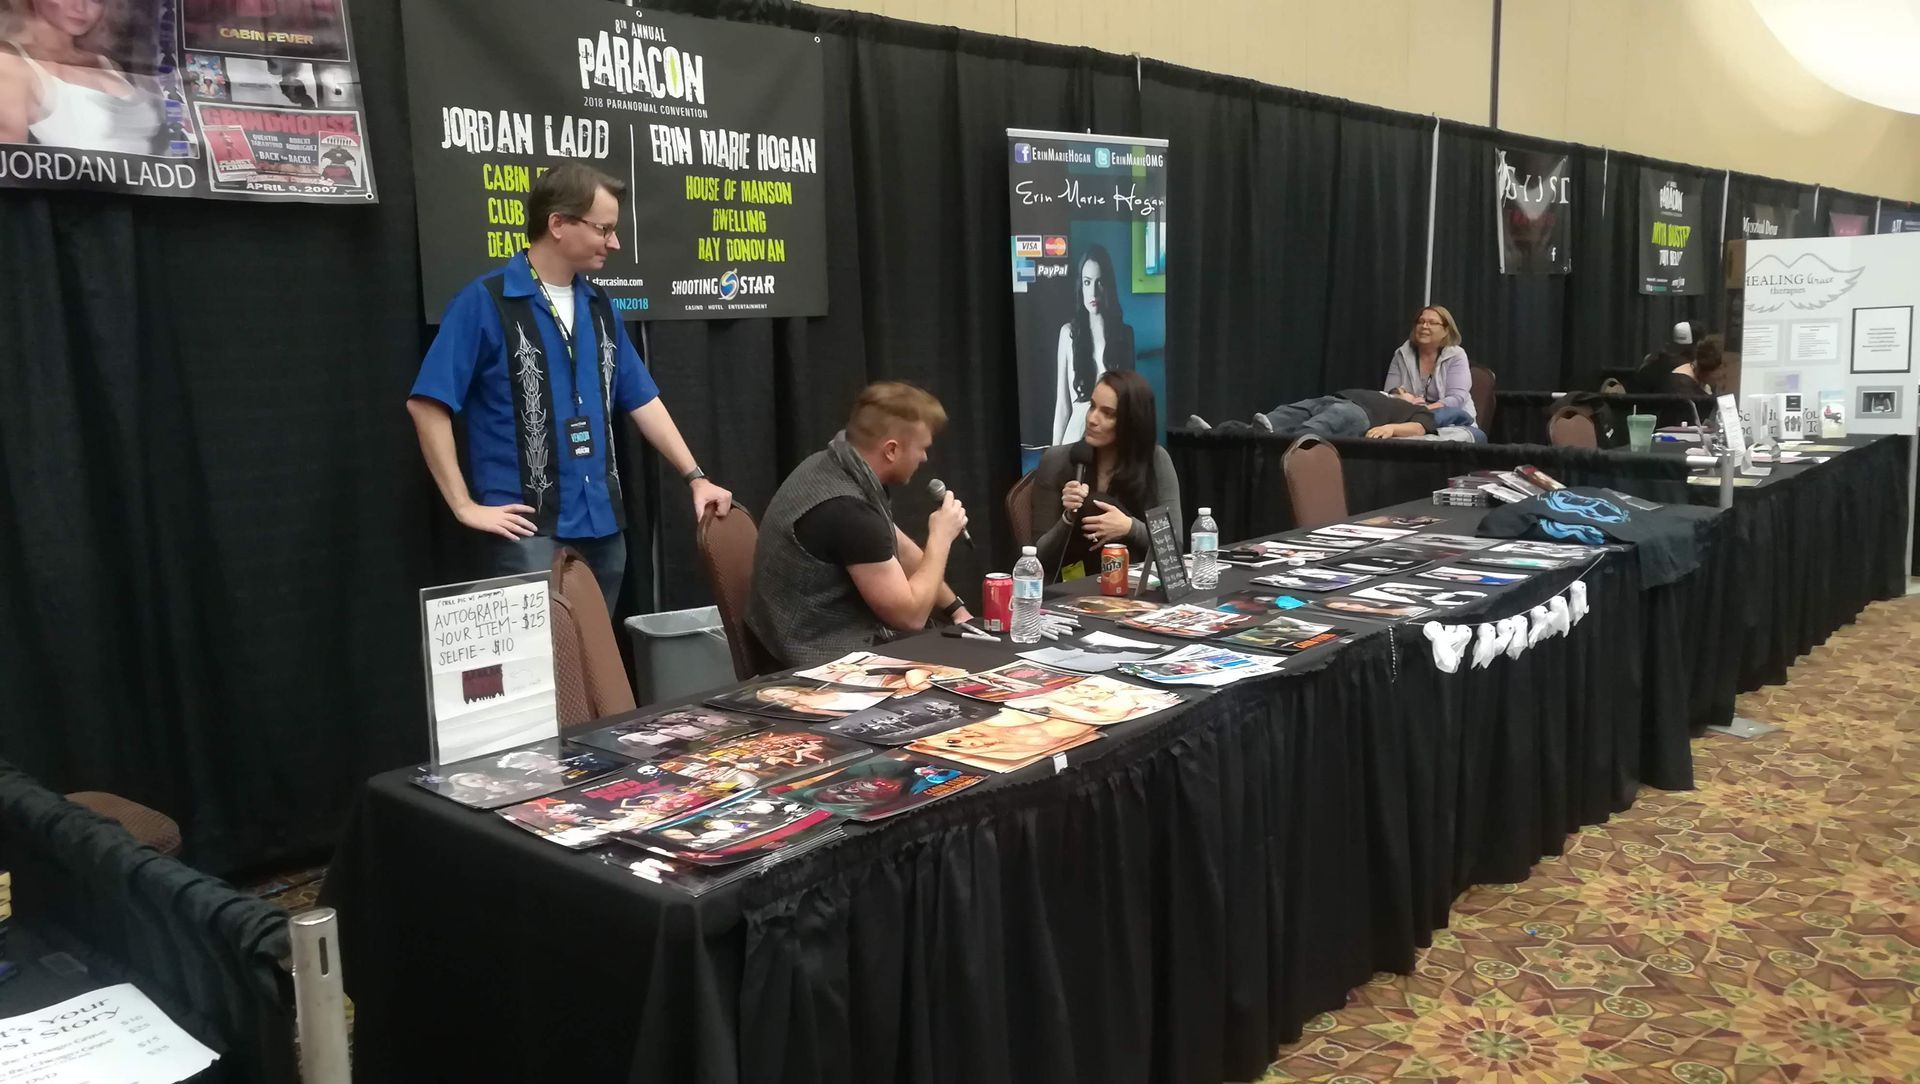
(714, 127)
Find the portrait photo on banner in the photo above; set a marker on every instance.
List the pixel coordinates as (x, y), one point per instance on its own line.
(92, 75)
(1089, 274)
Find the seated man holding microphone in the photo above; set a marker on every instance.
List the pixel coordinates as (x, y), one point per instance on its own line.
(831, 571)
(1097, 491)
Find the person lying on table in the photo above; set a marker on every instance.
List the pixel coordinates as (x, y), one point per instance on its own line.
(831, 571)
(1128, 473)
(1356, 412)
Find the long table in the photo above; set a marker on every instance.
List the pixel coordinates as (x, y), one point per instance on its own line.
(1170, 907)
(1804, 550)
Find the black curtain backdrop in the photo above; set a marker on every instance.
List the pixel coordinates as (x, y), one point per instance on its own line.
(1839, 201)
(1745, 189)
(217, 519)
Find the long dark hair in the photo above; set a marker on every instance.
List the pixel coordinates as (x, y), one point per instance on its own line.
(1134, 424)
(1084, 373)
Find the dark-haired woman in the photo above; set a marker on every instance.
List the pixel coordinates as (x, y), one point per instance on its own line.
(1129, 474)
(1094, 340)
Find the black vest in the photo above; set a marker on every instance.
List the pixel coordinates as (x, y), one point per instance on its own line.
(541, 441)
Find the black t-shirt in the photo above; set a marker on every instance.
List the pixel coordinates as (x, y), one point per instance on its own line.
(1384, 409)
(845, 531)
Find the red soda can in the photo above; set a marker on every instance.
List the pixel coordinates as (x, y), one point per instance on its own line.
(1113, 569)
(996, 602)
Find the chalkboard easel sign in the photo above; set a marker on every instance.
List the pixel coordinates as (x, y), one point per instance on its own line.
(1163, 555)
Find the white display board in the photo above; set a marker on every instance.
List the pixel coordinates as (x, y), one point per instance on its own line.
(1843, 307)
(489, 660)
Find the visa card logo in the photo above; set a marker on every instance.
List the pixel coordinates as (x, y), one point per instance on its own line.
(1028, 245)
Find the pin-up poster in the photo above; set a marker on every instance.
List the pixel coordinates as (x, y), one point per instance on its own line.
(229, 99)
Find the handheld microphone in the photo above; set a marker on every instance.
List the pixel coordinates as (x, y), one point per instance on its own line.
(938, 491)
(1081, 456)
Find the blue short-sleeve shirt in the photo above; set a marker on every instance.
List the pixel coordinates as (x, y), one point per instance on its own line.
(466, 369)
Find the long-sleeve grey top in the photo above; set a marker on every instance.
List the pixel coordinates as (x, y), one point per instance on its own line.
(1056, 470)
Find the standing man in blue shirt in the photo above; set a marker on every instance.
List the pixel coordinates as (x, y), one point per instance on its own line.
(538, 361)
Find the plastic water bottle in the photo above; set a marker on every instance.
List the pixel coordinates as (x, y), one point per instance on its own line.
(1028, 580)
(1205, 550)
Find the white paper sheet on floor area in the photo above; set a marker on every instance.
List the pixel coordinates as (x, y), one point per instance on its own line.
(113, 1035)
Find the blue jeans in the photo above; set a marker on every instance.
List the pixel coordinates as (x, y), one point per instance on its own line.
(1453, 415)
(1326, 416)
(607, 557)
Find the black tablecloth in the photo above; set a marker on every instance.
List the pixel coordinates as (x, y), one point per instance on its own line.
(1239, 476)
(1804, 550)
(1522, 417)
(1170, 908)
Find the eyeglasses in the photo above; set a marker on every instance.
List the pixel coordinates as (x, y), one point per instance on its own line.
(607, 229)
(1428, 323)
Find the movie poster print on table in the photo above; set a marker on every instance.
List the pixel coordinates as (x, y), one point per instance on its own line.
(635, 798)
(1311, 579)
(674, 731)
(879, 786)
(1009, 682)
(716, 128)
(1192, 622)
(798, 699)
(765, 758)
(1351, 606)
(1104, 606)
(902, 719)
(1098, 701)
(868, 670)
(1287, 635)
(1485, 577)
(1437, 595)
(212, 98)
(1008, 741)
(504, 778)
(1088, 260)
(744, 827)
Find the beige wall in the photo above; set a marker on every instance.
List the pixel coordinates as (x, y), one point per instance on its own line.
(1698, 81)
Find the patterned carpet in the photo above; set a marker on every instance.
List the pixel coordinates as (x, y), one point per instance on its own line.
(1765, 927)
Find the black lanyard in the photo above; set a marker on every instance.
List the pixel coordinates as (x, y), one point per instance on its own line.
(566, 337)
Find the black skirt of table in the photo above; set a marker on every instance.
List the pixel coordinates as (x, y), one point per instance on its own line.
(1180, 900)
(1803, 552)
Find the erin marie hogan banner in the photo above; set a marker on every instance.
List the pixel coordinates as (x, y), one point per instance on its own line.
(229, 99)
(1089, 263)
(714, 127)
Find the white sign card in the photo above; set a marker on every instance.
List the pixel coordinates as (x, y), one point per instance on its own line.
(1760, 343)
(1883, 339)
(489, 653)
(114, 1035)
(1814, 341)
(1732, 431)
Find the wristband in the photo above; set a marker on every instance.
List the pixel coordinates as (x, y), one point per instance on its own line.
(693, 475)
(952, 608)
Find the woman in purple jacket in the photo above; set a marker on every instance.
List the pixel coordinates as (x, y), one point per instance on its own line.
(1430, 368)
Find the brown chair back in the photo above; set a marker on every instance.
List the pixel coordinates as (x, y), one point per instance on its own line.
(1610, 386)
(148, 826)
(1315, 482)
(1482, 392)
(1572, 429)
(726, 545)
(1020, 510)
(590, 680)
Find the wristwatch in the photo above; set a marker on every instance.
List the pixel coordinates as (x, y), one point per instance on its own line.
(693, 475)
(952, 608)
